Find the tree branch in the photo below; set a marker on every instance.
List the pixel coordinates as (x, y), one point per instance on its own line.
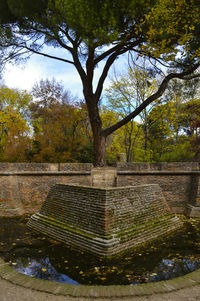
(56, 36)
(120, 49)
(79, 67)
(48, 55)
(156, 95)
(106, 53)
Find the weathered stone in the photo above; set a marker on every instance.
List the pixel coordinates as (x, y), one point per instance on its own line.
(104, 221)
(104, 177)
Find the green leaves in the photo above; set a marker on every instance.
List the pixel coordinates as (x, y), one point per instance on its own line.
(172, 24)
(97, 21)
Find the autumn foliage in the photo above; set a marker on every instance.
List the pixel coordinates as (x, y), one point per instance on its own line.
(50, 125)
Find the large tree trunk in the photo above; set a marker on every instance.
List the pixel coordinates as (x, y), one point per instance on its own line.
(99, 150)
(99, 139)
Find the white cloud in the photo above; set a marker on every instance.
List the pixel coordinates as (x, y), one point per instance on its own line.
(40, 67)
(36, 68)
(21, 78)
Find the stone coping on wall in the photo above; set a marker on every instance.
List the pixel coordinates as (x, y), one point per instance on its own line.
(8, 273)
(19, 167)
(161, 166)
(44, 173)
(119, 172)
(158, 172)
(134, 166)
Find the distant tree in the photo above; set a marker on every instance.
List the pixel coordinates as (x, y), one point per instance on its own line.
(191, 125)
(47, 92)
(14, 124)
(127, 91)
(175, 130)
(59, 124)
(91, 32)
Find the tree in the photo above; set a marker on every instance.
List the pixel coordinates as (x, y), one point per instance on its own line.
(175, 128)
(59, 124)
(100, 31)
(14, 125)
(128, 90)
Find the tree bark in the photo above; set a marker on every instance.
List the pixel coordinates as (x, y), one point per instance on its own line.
(99, 143)
(99, 150)
(99, 138)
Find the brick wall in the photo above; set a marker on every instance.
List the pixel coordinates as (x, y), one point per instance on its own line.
(24, 186)
(178, 181)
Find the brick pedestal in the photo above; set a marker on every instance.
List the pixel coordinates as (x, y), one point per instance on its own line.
(104, 221)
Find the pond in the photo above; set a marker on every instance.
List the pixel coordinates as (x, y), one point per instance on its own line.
(37, 256)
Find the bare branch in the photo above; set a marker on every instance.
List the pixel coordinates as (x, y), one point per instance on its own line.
(156, 95)
(120, 50)
(107, 53)
(48, 55)
(191, 77)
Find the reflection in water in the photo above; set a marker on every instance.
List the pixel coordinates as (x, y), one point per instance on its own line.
(165, 258)
(171, 268)
(166, 269)
(41, 268)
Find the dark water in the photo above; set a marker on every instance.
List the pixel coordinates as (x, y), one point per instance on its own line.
(39, 257)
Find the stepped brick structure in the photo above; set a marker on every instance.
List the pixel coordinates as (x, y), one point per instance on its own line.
(105, 210)
(104, 221)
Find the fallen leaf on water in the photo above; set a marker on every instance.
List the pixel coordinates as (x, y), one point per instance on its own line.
(153, 274)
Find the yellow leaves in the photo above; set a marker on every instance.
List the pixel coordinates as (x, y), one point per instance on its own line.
(169, 23)
(43, 269)
(82, 273)
(14, 129)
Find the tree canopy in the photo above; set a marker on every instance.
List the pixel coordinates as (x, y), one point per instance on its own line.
(53, 126)
(164, 31)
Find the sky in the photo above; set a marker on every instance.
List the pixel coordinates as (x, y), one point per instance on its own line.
(39, 67)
